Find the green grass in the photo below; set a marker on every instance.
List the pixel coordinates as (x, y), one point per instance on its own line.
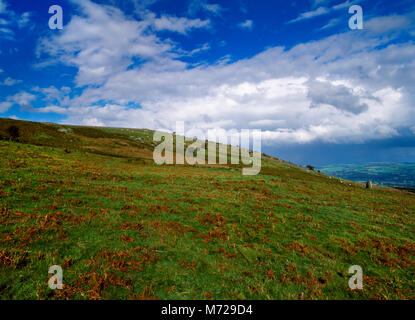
(124, 228)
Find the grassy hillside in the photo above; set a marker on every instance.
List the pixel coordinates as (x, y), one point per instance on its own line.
(92, 201)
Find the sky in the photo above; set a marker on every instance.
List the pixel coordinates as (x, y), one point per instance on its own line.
(320, 92)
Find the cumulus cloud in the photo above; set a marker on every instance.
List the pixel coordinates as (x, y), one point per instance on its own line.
(99, 55)
(347, 87)
(22, 99)
(247, 24)
(53, 95)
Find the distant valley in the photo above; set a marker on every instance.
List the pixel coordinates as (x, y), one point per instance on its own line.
(400, 175)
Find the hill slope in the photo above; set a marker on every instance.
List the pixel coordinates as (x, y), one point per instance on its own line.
(92, 201)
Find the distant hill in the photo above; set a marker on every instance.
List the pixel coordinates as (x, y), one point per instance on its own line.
(401, 175)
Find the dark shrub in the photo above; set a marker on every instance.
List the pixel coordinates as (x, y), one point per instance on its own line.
(309, 167)
(13, 132)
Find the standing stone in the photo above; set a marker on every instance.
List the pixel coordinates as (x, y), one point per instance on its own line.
(369, 185)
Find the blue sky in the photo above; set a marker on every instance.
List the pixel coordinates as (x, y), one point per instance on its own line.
(320, 92)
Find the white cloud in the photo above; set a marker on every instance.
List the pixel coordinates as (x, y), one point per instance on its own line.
(202, 5)
(6, 33)
(216, 9)
(204, 47)
(99, 54)
(52, 109)
(389, 23)
(247, 24)
(22, 99)
(323, 10)
(180, 25)
(11, 19)
(53, 98)
(311, 14)
(4, 106)
(332, 23)
(10, 82)
(318, 3)
(343, 5)
(24, 19)
(348, 87)
(267, 123)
